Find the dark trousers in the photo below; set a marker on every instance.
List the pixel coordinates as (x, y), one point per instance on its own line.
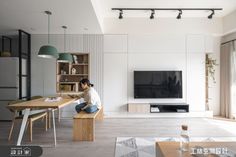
(89, 109)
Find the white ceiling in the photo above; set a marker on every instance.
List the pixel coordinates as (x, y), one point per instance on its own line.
(78, 15)
(86, 16)
(227, 5)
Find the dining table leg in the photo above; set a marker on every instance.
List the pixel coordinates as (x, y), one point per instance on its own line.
(54, 127)
(23, 125)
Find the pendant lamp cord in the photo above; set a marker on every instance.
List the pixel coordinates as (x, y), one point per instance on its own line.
(64, 40)
(48, 28)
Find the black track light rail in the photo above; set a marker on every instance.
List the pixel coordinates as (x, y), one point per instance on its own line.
(166, 9)
(173, 9)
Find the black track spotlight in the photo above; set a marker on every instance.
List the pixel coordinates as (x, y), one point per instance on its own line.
(121, 14)
(152, 14)
(179, 15)
(211, 15)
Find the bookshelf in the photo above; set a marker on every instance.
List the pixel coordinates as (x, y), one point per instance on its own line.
(69, 74)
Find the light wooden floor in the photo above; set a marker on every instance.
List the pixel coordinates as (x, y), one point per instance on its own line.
(109, 129)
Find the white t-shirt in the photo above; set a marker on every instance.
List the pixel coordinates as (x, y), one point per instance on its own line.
(91, 97)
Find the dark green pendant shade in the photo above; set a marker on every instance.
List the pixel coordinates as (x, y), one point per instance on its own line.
(65, 57)
(48, 51)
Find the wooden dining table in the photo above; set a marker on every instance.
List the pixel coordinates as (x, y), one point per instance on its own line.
(37, 105)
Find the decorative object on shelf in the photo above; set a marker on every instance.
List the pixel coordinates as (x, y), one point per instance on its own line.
(65, 57)
(48, 51)
(73, 71)
(75, 59)
(62, 79)
(5, 54)
(211, 64)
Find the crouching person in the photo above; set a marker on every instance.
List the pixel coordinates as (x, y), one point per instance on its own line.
(92, 100)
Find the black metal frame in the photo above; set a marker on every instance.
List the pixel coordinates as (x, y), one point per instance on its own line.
(21, 55)
(26, 56)
(175, 9)
(166, 9)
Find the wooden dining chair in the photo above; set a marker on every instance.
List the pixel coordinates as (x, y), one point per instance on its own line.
(31, 118)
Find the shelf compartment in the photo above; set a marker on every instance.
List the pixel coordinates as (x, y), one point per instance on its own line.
(70, 87)
(63, 68)
(79, 64)
(72, 78)
(68, 79)
(80, 69)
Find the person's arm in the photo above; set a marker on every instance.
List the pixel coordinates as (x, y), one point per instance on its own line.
(77, 96)
(89, 102)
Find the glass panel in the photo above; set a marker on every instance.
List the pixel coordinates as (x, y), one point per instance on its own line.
(24, 41)
(24, 86)
(24, 67)
(6, 45)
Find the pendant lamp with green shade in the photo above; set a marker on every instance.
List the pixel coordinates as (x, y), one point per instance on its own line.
(48, 51)
(65, 57)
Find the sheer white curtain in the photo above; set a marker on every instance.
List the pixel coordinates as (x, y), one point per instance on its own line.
(228, 80)
(233, 76)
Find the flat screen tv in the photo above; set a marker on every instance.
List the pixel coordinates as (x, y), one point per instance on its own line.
(158, 84)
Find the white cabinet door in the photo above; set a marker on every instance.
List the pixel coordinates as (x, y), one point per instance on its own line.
(115, 82)
(9, 93)
(9, 72)
(5, 113)
(196, 82)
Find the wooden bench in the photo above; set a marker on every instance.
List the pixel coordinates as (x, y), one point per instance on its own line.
(84, 125)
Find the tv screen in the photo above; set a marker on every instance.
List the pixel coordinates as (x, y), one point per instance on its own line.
(157, 84)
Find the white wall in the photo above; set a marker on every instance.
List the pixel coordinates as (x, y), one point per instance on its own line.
(229, 23)
(115, 73)
(163, 26)
(228, 37)
(162, 44)
(151, 52)
(214, 90)
(173, 45)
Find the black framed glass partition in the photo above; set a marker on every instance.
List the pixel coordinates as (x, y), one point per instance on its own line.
(24, 65)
